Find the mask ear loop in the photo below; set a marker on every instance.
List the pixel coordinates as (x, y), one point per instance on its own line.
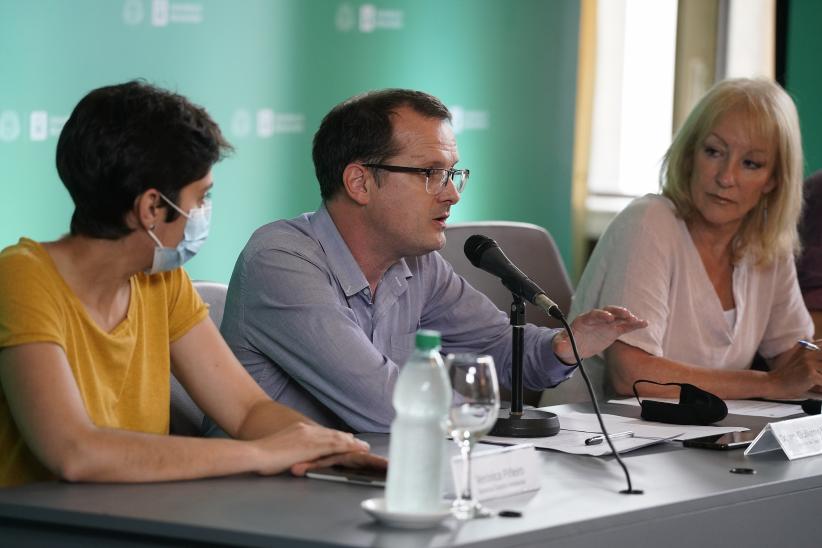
(636, 394)
(175, 206)
(154, 237)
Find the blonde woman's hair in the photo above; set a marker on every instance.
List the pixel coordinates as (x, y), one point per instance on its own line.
(769, 230)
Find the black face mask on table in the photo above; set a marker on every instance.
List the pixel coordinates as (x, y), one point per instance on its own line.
(696, 406)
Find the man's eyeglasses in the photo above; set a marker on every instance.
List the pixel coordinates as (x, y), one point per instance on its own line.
(436, 178)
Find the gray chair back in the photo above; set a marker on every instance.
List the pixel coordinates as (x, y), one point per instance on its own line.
(534, 251)
(213, 293)
(530, 247)
(186, 417)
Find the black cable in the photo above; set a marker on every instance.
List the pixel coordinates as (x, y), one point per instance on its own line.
(630, 490)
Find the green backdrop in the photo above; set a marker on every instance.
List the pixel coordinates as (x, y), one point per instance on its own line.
(803, 75)
(268, 70)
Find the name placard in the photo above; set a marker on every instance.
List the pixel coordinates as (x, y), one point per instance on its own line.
(500, 472)
(798, 438)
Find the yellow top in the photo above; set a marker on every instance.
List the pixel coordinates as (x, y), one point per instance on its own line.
(122, 375)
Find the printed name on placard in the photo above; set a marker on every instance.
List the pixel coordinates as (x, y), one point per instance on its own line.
(500, 472)
(797, 438)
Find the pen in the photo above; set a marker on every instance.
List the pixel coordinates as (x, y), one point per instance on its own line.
(807, 344)
(595, 440)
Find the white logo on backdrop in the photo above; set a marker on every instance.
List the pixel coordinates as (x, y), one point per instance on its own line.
(457, 119)
(9, 126)
(133, 12)
(345, 19)
(240, 123)
(186, 12)
(390, 19)
(159, 13)
(270, 122)
(289, 122)
(42, 126)
(38, 125)
(368, 18)
(463, 120)
(56, 124)
(163, 12)
(265, 123)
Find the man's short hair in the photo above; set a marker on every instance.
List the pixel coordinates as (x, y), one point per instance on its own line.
(360, 130)
(124, 139)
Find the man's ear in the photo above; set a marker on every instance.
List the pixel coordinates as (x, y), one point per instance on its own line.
(358, 182)
(148, 210)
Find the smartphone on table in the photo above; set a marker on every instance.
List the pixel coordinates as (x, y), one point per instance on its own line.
(374, 477)
(723, 442)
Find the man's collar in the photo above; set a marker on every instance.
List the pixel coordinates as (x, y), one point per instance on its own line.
(340, 260)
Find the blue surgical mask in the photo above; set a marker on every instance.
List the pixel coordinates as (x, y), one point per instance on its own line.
(194, 236)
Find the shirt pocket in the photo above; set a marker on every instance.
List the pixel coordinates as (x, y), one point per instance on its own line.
(402, 346)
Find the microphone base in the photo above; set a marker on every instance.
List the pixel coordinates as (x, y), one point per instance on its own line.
(531, 424)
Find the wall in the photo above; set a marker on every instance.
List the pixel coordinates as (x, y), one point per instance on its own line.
(268, 71)
(803, 76)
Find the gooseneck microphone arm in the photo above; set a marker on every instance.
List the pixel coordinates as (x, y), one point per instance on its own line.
(517, 317)
(484, 253)
(630, 490)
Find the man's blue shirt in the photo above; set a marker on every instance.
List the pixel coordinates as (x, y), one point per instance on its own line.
(301, 318)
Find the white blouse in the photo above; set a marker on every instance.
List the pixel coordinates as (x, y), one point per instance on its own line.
(647, 262)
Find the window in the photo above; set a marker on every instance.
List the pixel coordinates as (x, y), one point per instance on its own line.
(637, 84)
(633, 100)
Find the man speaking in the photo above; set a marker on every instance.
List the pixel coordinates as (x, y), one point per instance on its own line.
(322, 309)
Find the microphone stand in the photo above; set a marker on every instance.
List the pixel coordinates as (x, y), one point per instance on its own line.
(516, 422)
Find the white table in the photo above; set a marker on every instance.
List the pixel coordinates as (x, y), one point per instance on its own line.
(691, 500)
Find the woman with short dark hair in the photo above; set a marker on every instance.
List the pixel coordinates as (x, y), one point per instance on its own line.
(92, 324)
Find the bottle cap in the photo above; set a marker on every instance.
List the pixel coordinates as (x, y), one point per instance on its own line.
(428, 339)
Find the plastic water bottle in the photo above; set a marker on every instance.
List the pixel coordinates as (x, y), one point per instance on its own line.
(422, 399)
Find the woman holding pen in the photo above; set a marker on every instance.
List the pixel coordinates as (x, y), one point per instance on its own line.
(709, 262)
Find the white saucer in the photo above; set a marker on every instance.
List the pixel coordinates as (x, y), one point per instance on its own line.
(376, 509)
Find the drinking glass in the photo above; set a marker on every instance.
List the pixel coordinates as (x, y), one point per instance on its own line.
(474, 408)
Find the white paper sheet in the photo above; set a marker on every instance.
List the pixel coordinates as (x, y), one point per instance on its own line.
(576, 427)
(749, 408)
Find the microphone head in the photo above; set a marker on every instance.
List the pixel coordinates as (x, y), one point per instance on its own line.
(475, 246)
(812, 407)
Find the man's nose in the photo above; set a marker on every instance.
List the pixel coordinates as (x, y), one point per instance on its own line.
(450, 193)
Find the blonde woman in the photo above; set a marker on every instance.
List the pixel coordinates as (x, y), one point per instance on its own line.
(710, 262)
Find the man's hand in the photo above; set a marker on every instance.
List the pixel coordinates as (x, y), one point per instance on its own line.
(595, 331)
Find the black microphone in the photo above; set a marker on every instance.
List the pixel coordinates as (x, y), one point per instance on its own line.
(485, 253)
(812, 407)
